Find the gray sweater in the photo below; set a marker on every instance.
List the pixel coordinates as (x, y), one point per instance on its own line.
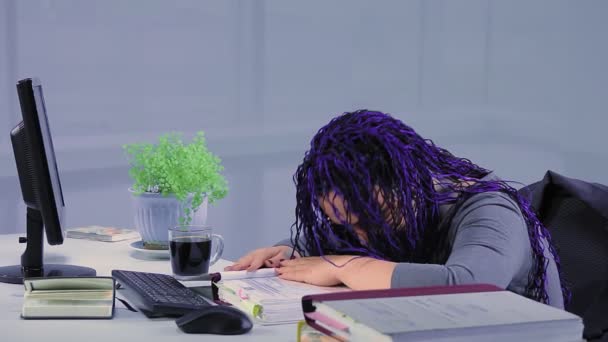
(490, 245)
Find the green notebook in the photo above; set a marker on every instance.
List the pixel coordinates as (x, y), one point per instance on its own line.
(68, 297)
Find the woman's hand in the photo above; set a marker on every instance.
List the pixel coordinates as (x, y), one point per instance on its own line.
(268, 257)
(356, 272)
(314, 270)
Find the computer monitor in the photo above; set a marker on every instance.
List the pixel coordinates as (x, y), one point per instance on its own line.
(40, 187)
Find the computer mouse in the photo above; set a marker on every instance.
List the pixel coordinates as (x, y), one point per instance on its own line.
(217, 319)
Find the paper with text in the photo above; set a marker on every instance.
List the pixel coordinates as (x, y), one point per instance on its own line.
(270, 299)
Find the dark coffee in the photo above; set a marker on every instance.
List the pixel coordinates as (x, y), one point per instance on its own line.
(190, 256)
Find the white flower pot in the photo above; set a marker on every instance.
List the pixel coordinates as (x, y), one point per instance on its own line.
(155, 214)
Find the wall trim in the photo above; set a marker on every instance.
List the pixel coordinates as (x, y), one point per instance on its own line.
(76, 153)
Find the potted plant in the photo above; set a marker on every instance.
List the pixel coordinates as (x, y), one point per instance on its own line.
(172, 184)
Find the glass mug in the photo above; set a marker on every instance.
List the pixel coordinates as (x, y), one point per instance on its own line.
(190, 247)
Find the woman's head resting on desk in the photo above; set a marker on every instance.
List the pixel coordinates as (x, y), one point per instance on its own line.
(370, 185)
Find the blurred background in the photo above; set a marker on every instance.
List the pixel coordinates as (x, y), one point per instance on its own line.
(518, 86)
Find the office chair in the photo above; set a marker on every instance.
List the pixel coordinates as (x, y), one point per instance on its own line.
(576, 214)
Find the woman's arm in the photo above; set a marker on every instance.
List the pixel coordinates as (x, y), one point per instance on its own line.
(367, 274)
(490, 246)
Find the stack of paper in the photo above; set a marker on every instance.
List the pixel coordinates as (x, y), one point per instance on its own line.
(267, 298)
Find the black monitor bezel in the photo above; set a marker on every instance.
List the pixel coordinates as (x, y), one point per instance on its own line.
(42, 173)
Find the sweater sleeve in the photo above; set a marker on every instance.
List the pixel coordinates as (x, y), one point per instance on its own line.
(490, 245)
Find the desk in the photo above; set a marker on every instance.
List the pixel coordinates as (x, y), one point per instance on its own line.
(126, 325)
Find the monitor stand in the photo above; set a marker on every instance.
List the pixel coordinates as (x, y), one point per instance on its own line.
(31, 260)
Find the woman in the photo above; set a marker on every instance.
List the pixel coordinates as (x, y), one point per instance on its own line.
(378, 206)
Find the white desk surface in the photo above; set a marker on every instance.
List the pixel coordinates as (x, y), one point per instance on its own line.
(126, 325)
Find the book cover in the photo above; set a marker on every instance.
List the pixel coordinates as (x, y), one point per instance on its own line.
(462, 313)
(100, 233)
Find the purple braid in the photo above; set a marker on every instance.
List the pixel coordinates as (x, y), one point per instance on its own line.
(364, 155)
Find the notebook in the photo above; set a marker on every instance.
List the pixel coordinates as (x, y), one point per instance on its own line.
(455, 313)
(264, 296)
(99, 233)
(68, 297)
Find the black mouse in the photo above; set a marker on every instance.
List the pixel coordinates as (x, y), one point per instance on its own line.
(217, 319)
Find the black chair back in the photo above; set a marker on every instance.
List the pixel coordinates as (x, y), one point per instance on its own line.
(580, 232)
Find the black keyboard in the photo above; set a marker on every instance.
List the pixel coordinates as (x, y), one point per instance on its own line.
(158, 295)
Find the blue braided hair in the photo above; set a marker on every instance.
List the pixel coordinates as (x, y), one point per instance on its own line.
(364, 155)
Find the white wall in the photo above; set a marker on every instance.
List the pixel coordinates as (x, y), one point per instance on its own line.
(517, 86)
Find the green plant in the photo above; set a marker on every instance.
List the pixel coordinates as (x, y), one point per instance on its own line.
(170, 167)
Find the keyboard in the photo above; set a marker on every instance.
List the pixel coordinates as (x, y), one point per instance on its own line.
(158, 295)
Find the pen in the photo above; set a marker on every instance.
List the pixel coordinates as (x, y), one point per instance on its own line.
(202, 277)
